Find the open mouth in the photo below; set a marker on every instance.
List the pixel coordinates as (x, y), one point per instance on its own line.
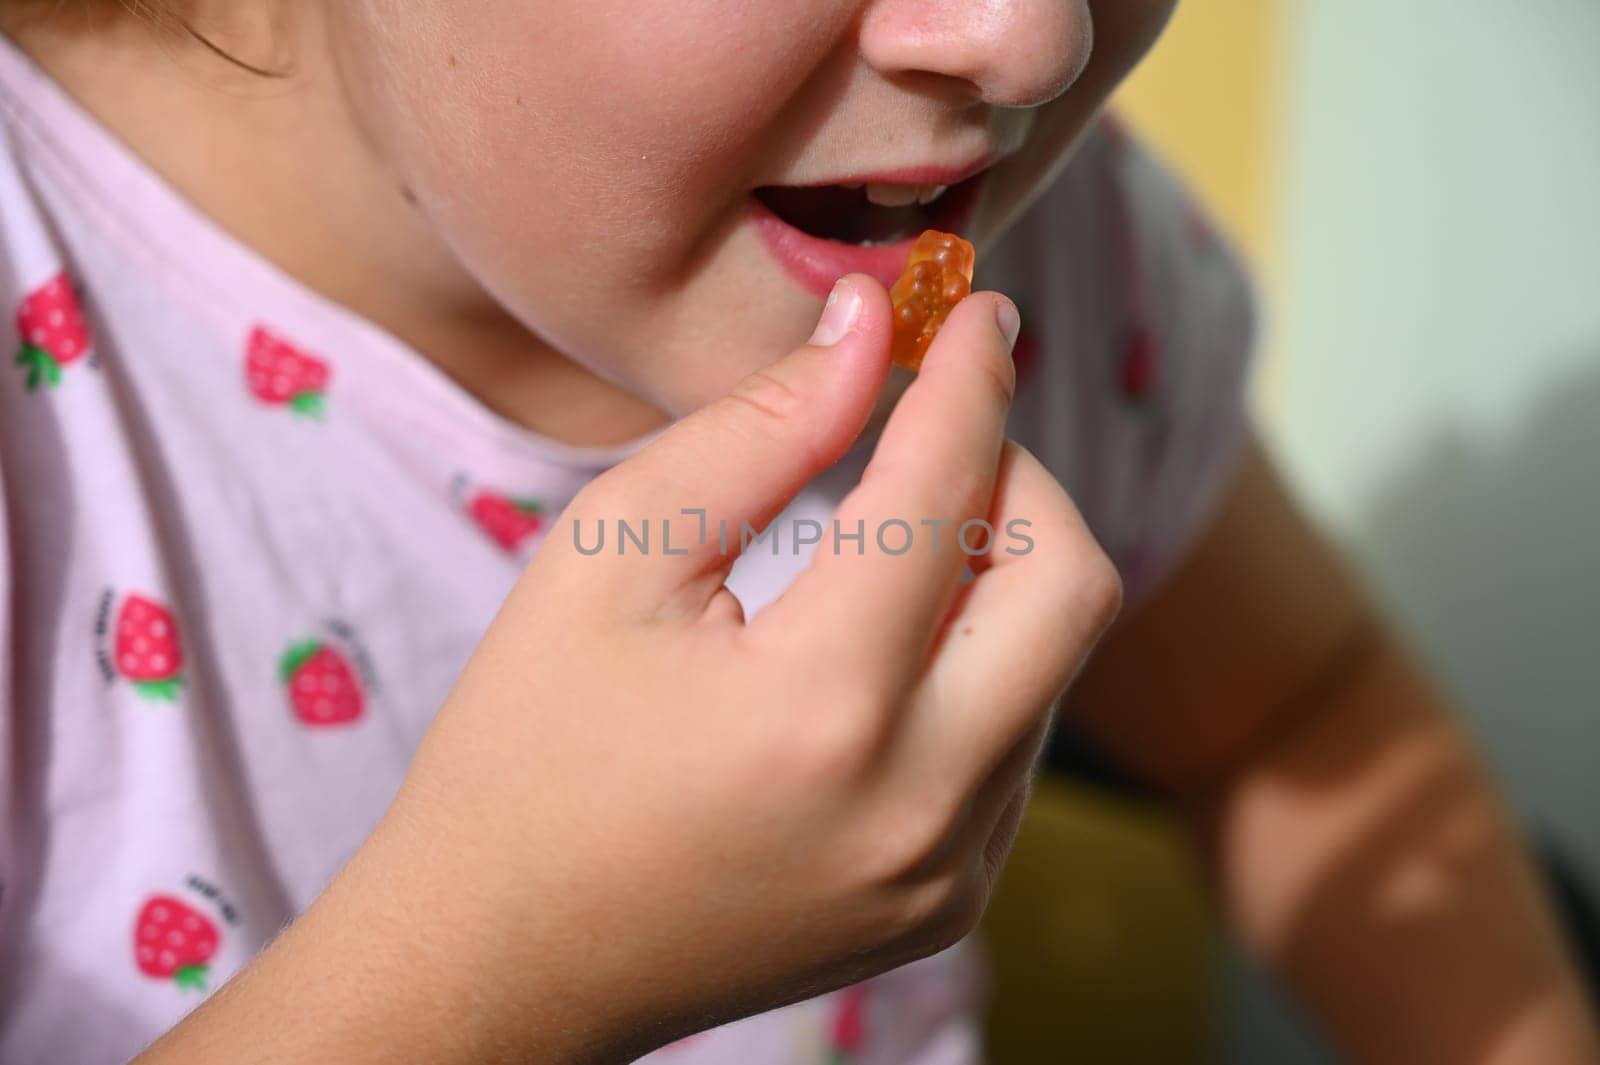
(867, 215)
(820, 233)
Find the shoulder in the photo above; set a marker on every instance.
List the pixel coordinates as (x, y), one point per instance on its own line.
(1120, 239)
(1140, 326)
(39, 294)
(1185, 281)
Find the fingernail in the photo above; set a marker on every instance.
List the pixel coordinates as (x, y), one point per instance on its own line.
(1009, 320)
(838, 314)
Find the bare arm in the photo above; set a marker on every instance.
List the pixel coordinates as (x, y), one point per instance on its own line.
(544, 865)
(1354, 836)
(386, 966)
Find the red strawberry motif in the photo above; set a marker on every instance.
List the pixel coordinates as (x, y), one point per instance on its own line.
(53, 331)
(508, 520)
(1138, 372)
(282, 374)
(849, 1033)
(323, 689)
(148, 652)
(173, 940)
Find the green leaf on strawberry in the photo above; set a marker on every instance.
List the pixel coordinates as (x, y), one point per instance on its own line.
(322, 687)
(163, 691)
(53, 331)
(148, 652)
(41, 366)
(295, 657)
(191, 977)
(309, 404)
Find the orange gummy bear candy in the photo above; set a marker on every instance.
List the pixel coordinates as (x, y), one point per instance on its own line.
(938, 275)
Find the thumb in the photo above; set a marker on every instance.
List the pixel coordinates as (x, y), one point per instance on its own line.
(742, 458)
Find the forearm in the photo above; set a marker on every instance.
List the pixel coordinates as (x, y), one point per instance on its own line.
(377, 970)
(1363, 852)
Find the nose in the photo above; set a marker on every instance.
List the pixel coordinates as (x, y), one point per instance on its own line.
(1010, 53)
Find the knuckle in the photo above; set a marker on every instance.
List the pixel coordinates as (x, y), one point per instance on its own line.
(767, 395)
(837, 743)
(943, 911)
(962, 492)
(920, 841)
(775, 406)
(1087, 588)
(965, 912)
(999, 374)
(1101, 591)
(599, 498)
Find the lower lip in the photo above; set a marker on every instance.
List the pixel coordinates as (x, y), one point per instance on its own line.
(817, 263)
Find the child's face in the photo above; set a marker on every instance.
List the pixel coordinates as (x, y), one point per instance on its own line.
(591, 164)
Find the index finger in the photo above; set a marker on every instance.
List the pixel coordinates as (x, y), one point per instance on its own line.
(933, 471)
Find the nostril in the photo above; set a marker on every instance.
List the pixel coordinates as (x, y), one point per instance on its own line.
(1017, 54)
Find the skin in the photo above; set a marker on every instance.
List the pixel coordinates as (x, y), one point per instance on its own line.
(486, 114)
(418, 161)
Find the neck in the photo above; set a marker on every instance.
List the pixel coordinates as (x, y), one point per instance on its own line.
(281, 163)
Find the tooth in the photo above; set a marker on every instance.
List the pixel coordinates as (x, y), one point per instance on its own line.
(926, 194)
(891, 195)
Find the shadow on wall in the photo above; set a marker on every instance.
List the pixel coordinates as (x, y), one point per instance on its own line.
(1487, 553)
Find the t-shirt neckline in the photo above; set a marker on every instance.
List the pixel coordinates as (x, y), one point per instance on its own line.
(158, 218)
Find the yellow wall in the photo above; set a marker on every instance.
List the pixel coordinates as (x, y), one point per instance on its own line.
(1207, 98)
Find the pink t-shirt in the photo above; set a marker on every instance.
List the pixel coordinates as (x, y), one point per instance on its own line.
(249, 539)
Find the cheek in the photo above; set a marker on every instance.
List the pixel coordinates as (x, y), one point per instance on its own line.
(584, 160)
(633, 122)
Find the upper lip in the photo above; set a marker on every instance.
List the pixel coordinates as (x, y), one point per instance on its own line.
(926, 174)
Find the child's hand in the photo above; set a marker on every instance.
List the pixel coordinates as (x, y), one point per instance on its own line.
(639, 815)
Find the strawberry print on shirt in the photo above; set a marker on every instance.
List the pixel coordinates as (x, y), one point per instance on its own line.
(272, 535)
(509, 520)
(174, 941)
(283, 375)
(53, 332)
(142, 646)
(322, 686)
(848, 1037)
(1137, 373)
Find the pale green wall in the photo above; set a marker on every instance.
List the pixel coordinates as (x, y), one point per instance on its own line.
(1440, 326)
(1438, 322)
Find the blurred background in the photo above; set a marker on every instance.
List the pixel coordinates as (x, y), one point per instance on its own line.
(1416, 187)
